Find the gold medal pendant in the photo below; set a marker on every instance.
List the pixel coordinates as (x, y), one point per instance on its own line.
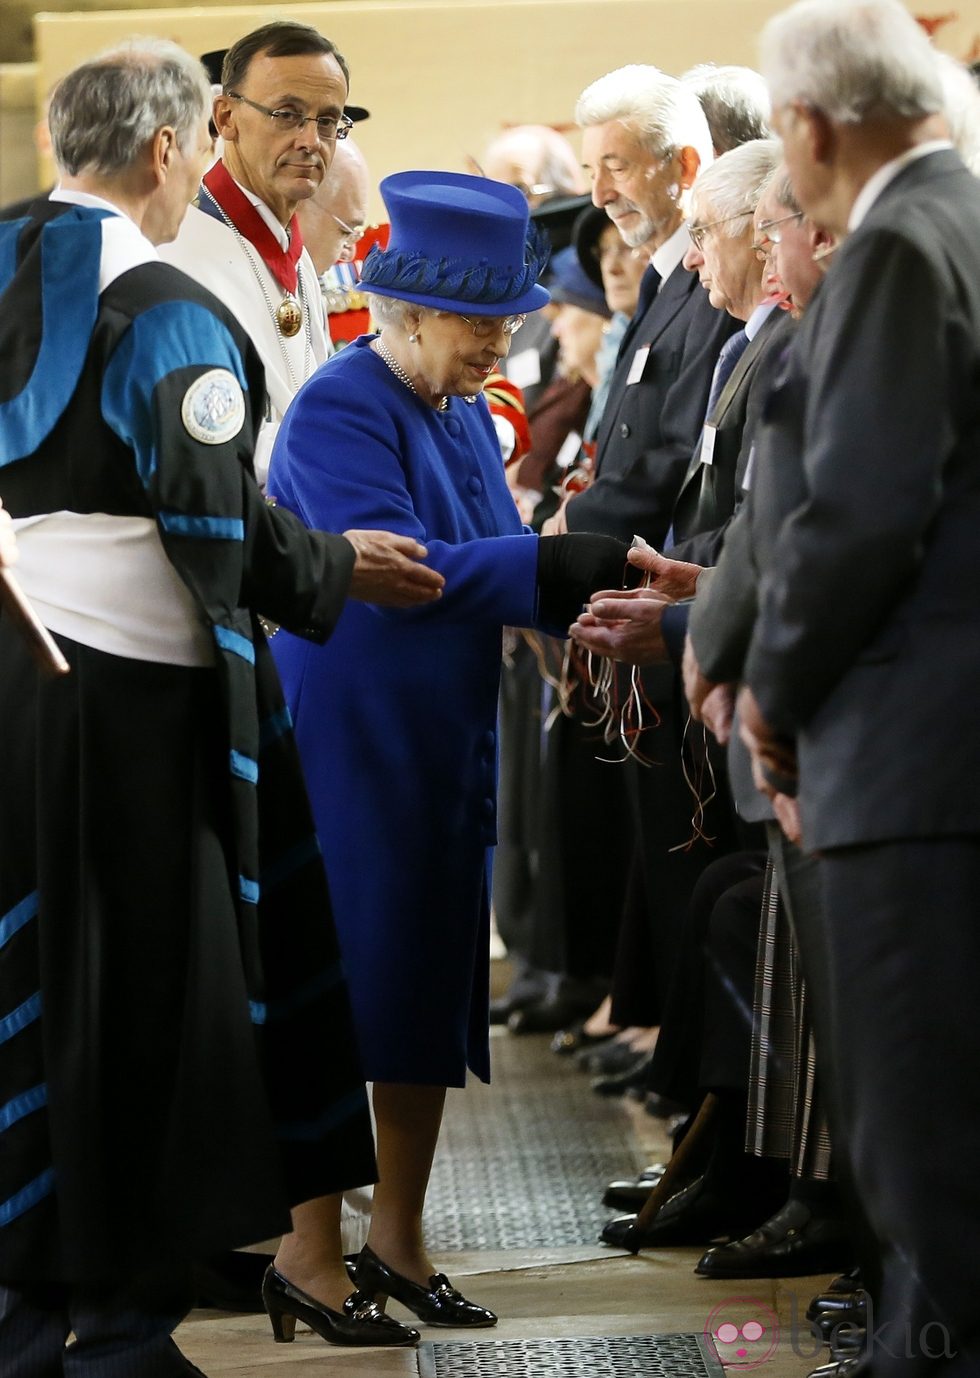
(289, 316)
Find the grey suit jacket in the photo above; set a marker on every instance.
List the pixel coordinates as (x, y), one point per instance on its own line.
(867, 640)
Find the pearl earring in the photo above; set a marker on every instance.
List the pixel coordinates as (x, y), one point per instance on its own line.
(413, 339)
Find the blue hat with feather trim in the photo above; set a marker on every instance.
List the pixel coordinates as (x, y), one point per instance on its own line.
(458, 243)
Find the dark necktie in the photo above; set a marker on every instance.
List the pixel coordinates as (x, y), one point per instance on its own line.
(649, 287)
(731, 351)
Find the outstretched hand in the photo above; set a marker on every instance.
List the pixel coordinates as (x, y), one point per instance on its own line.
(623, 625)
(387, 570)
(671, 580)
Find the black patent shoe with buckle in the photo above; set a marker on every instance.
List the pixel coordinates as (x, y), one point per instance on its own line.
(437, 1304)
(361, 1322)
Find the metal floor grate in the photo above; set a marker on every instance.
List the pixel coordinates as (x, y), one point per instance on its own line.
(624, 1356)
(522, 1163)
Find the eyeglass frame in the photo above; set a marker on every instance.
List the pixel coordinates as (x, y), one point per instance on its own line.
(697, 232)
(353, 234)
(761, 252)
(290, 120)
(508, 324)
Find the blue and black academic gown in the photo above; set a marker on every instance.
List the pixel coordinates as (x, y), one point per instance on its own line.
(177, 1063)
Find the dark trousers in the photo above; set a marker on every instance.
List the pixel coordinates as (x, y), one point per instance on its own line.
(123, 1333)
(903, 952)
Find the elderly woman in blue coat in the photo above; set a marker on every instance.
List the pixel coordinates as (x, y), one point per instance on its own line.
(395, 717)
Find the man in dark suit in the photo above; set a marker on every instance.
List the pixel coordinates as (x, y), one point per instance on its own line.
(645, 139)
(865, 650)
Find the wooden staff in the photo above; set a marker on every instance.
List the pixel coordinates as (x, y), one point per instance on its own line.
(40, 642)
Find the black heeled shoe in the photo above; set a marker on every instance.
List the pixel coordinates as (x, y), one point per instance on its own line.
(361, 1322)
(437, 1304)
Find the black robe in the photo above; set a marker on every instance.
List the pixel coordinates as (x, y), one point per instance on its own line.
(177, 1062)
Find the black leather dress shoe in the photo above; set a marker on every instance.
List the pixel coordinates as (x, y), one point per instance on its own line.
(845, 1368)
(840, 1321)
(631, 1193)
(361, 1322)
(635, 1075)
(792, 1244)
(615, 1055)
(437, 1304)
(696, 1215)
(548, 1015)
(574, 1039)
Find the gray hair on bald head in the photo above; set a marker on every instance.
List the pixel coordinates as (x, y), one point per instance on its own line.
(733, 184)
(665, 114)
(852, 60)
(735, 101)
(105, 112)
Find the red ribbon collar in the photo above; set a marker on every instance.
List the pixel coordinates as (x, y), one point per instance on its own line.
(250, 225)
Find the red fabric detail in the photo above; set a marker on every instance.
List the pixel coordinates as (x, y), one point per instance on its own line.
(250, 225)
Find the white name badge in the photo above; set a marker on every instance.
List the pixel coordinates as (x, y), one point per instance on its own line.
(568, 453)
(749, 466)
(524, 369)
(638, 365)
(708, 444)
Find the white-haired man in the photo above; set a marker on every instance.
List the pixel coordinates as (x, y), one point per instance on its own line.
(865, 649)
(735, 101)
(147, 1039)
(644, 141)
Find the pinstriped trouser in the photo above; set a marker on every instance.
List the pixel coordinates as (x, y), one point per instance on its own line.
(124, 1333)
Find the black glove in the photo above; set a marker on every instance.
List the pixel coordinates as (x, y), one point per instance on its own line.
(573, 567)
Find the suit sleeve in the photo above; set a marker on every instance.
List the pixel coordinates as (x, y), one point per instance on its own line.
(338, 464)
(877, 435)
(176, 392)
(723, 614)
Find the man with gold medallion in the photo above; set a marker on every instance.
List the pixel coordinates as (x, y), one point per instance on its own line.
(279, 115)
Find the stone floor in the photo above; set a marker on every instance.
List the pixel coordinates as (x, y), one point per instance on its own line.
(519, 1175)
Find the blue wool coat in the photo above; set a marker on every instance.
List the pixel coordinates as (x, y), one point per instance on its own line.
(396, 715)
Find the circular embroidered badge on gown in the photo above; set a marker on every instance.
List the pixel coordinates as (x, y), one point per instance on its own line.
(213, 409)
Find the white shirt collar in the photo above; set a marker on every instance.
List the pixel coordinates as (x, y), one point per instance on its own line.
(887, 173)
(758, 319)
(671, 253)
(85, 198)
(124, 245)
(263, 210)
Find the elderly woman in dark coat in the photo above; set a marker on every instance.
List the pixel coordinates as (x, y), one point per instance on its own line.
(396, 722)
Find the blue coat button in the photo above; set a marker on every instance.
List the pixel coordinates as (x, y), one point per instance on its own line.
(475, 486)
(453, 427)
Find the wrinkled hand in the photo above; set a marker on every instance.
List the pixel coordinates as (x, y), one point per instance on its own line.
(718, 710)
(671, 579)
(771, 750)
(787, 811)
(696, 686)
(387, 570)
(8, 541)
(624, 625)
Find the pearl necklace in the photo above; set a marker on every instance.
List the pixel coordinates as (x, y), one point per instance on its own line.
(396, 368)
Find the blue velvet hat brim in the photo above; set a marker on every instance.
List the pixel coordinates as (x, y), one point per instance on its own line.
(531, 300)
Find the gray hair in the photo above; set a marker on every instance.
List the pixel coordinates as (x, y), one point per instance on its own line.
(393, 311)
(733, 184)
(665, 114)
(961, 106)
(735, 101)
(851, 59)
(105, 112)
(781, 186)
